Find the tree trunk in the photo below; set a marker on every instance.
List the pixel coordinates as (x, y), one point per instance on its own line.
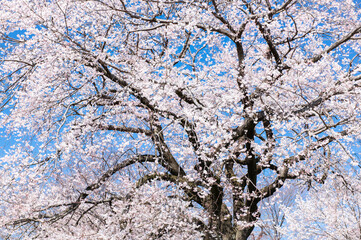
(243, 234)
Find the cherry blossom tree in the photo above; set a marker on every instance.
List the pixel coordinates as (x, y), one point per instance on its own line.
(273, 220)
(330, 211)
(170, 119)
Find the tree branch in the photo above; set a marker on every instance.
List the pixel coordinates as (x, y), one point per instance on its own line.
(123, 129)
(337, 43)
(119, 166)
(189, 189)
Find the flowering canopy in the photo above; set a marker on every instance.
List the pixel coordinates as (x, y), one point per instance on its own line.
(170, 119)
